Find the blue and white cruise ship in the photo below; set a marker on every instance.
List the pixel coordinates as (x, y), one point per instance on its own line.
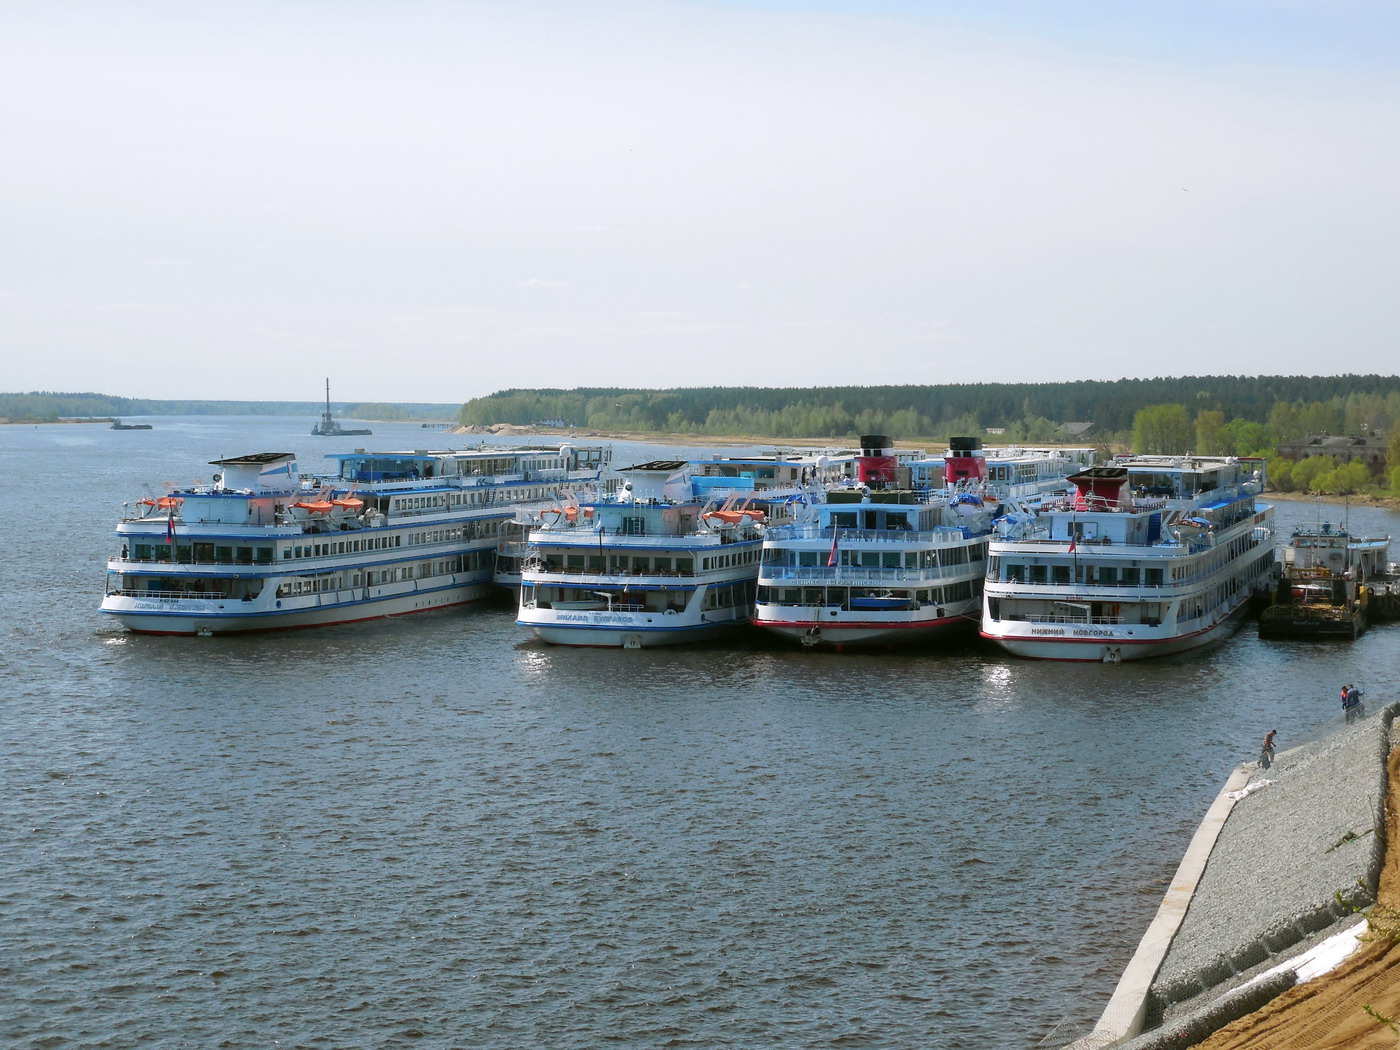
(672, 558)
(1151, 555)
(264, 547)
(899, 561)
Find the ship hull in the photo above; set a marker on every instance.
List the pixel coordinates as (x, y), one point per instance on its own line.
(627, 630)
(842, 633)
(176, 617)
(1103, 644)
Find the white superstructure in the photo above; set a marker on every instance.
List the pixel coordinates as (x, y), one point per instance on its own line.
(884, 566)
(671, 559)
(264, 547)
(1152, 555)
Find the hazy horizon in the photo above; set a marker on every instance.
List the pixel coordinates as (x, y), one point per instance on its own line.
(231, 203)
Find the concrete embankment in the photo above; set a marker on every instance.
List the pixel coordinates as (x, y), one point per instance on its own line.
(1281, 863)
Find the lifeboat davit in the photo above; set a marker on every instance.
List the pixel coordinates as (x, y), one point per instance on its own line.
(554, 515)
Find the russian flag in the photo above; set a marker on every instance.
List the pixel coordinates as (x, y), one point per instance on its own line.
(170, 527)
(1073, 544)
(834, 556)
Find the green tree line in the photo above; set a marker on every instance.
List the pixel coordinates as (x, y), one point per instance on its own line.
(1024, 412)
(1171, 430)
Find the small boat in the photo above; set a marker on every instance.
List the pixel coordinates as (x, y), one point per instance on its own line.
(1328, 583)
(328, 427)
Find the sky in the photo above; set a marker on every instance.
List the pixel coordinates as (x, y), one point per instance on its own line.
(432, 201)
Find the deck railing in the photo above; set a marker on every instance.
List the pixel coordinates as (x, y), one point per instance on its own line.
(1067, 619)
(821, 575)
(941, 534)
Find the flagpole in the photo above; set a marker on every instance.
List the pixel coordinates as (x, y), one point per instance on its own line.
(1074, 544)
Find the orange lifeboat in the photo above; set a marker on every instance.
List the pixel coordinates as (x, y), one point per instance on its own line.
(554, 515)
(734, 517)
(347, 503)
(165, 502)
(315, 506)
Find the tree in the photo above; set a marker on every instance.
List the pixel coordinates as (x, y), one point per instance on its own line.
(1243, 438)
(1280, 474)
(1354, 478)
(1211, 437)
(1285, 422)
(1345, 480)
(1162, 430)
(1306, 470)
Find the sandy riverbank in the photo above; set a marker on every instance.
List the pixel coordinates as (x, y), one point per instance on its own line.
(1389, 502)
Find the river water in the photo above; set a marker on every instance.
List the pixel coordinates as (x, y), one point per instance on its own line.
(433, 832)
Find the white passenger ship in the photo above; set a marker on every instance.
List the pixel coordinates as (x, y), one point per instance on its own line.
(264, 547)
(893, 566)
(513, 537)
(672, 559)
(1153, 555)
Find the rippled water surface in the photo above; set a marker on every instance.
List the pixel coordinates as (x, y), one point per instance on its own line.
(433, 832)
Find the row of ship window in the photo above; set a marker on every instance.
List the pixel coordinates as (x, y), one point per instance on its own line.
(408, 504)
(953, 592)
(781, 557)
(1006, 571)
(473, 561)
(647, 565)
(241, 554)
(223, 587)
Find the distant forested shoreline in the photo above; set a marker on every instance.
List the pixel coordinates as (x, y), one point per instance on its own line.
(1259, 416)
(44, 406)
(1021, 411)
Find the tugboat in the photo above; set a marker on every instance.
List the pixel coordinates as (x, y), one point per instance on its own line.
(328, 427)
(1328, 584)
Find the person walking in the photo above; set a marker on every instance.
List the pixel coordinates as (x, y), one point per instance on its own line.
(1266, 753)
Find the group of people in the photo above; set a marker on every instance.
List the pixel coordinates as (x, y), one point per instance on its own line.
(1351, 708)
